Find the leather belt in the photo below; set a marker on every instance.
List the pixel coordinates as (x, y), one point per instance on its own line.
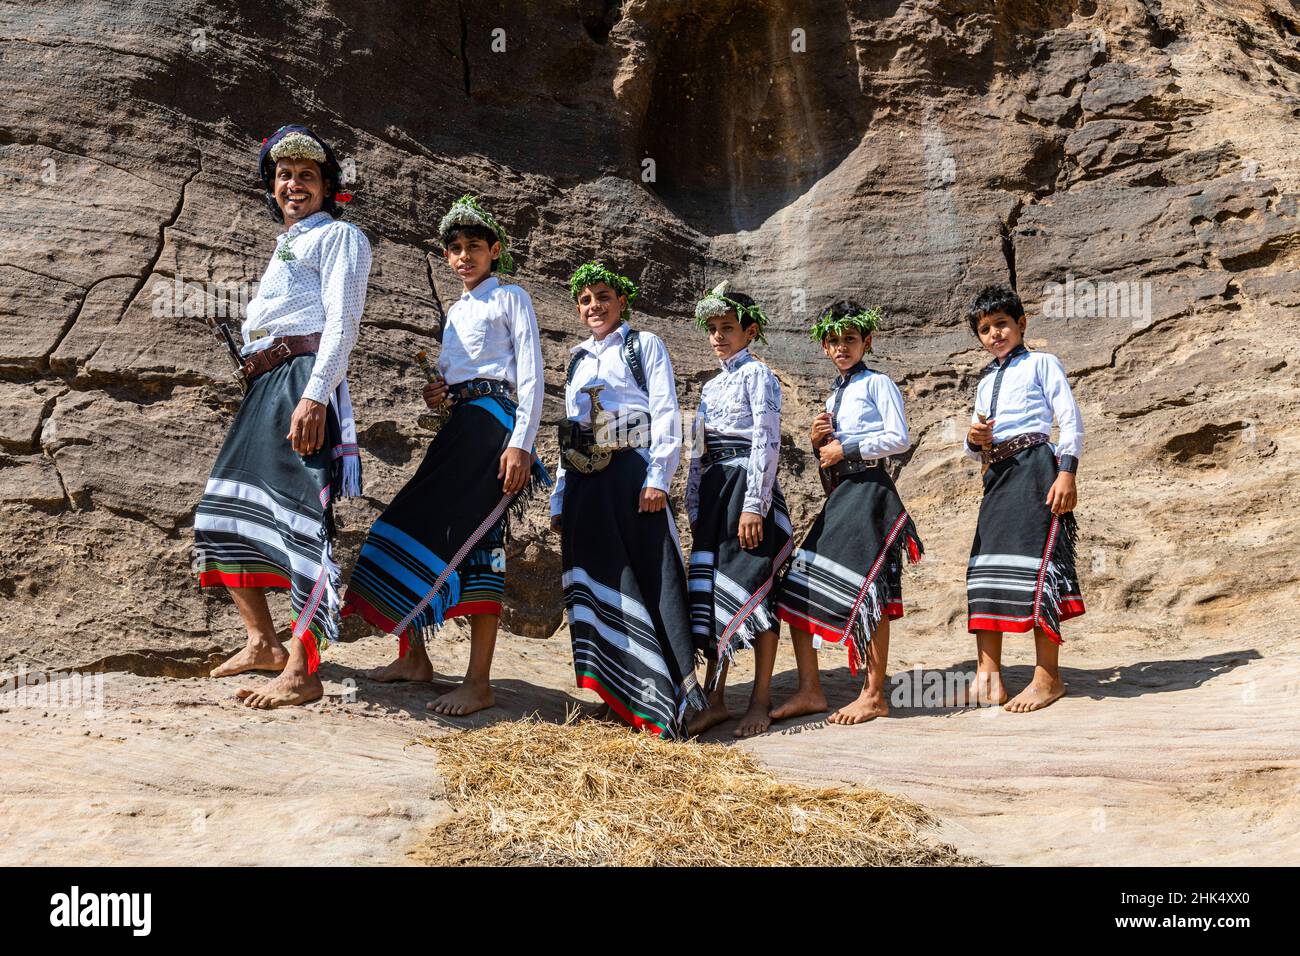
(280, 351)
(478, 388)
(725, 452)
(842, 468)
(1005, 449)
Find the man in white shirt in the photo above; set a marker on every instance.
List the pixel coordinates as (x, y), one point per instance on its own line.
(437, 550)
(624, 578)
(265, 518)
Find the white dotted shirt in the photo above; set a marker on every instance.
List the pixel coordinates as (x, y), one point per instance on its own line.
(316, 282)
(743, 402)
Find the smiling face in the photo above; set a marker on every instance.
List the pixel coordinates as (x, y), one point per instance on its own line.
(471, 257)
(999, 333)
(846, 349)
(726, 336)
(601, 308)
(299, 189)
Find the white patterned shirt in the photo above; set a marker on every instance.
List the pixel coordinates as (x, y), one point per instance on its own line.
(316, 282)
(867, 413)
(492, 333)
(743, 402)
(603, 363)
(1031, 390)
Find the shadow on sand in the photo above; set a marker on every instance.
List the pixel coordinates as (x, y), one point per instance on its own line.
(517, 698)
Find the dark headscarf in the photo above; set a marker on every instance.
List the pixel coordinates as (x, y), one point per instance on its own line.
(329, 168)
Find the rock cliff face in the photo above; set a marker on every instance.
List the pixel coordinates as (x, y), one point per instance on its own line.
(1128, 165)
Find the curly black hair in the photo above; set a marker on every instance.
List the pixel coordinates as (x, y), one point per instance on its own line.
(994, 298)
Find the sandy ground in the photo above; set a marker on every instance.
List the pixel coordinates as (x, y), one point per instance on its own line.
(1194, 758)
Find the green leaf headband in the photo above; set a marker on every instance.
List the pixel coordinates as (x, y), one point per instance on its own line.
(593, 273)
(866, 322)
(466, 211)
(716, 303)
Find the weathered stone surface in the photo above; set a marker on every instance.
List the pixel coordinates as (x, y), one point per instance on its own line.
(902, 154)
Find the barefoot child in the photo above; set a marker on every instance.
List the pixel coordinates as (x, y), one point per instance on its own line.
(1021, 574)
(740, 528)
(436, 551)
(624, 580)
(266, 516)
(845, 582)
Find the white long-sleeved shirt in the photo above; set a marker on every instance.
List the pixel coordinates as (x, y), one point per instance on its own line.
(1022, 395)
(744, 402)
(867, 414)
(492, 333)
(603, 363)
(316, 282)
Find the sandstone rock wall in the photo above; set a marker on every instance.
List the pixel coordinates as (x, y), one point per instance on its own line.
(904, 152)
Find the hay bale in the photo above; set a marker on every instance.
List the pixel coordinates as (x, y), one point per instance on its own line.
(594, 794)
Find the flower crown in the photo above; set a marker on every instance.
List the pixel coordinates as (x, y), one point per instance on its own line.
(466, 211)
(716, 303)
(865, 321)
(298, 146)
(593, 273)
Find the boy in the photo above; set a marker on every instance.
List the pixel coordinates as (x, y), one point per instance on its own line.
(739, 523)
(266, 516)
(1021, 573)
(436, 551)
(844, 584)
(624, 580)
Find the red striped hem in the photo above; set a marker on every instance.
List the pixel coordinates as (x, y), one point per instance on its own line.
(312, 647)
(616, 705)
(470, 608)
(811, 625)
(246, 579)
(1015, 625)
(356, 604)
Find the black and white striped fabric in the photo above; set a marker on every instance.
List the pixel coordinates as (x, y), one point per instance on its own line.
(847, 573)
(732, 589)
(265, 519)
(625, 591)
(1022, 573)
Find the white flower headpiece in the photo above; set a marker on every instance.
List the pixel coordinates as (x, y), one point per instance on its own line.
(298, 146)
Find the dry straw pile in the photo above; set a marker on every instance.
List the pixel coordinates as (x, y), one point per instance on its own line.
(591, 793)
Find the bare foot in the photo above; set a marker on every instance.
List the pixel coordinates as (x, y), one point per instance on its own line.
(413, 667)
(803, 702)
(262, 657)
(464, 700)
(986, 690)
(287, 689)
(713, 715)
(866, 707)
(1040, 692)
(756, 720)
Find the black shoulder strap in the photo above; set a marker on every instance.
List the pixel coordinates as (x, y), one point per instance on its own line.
(573, 365)
(632, 356)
